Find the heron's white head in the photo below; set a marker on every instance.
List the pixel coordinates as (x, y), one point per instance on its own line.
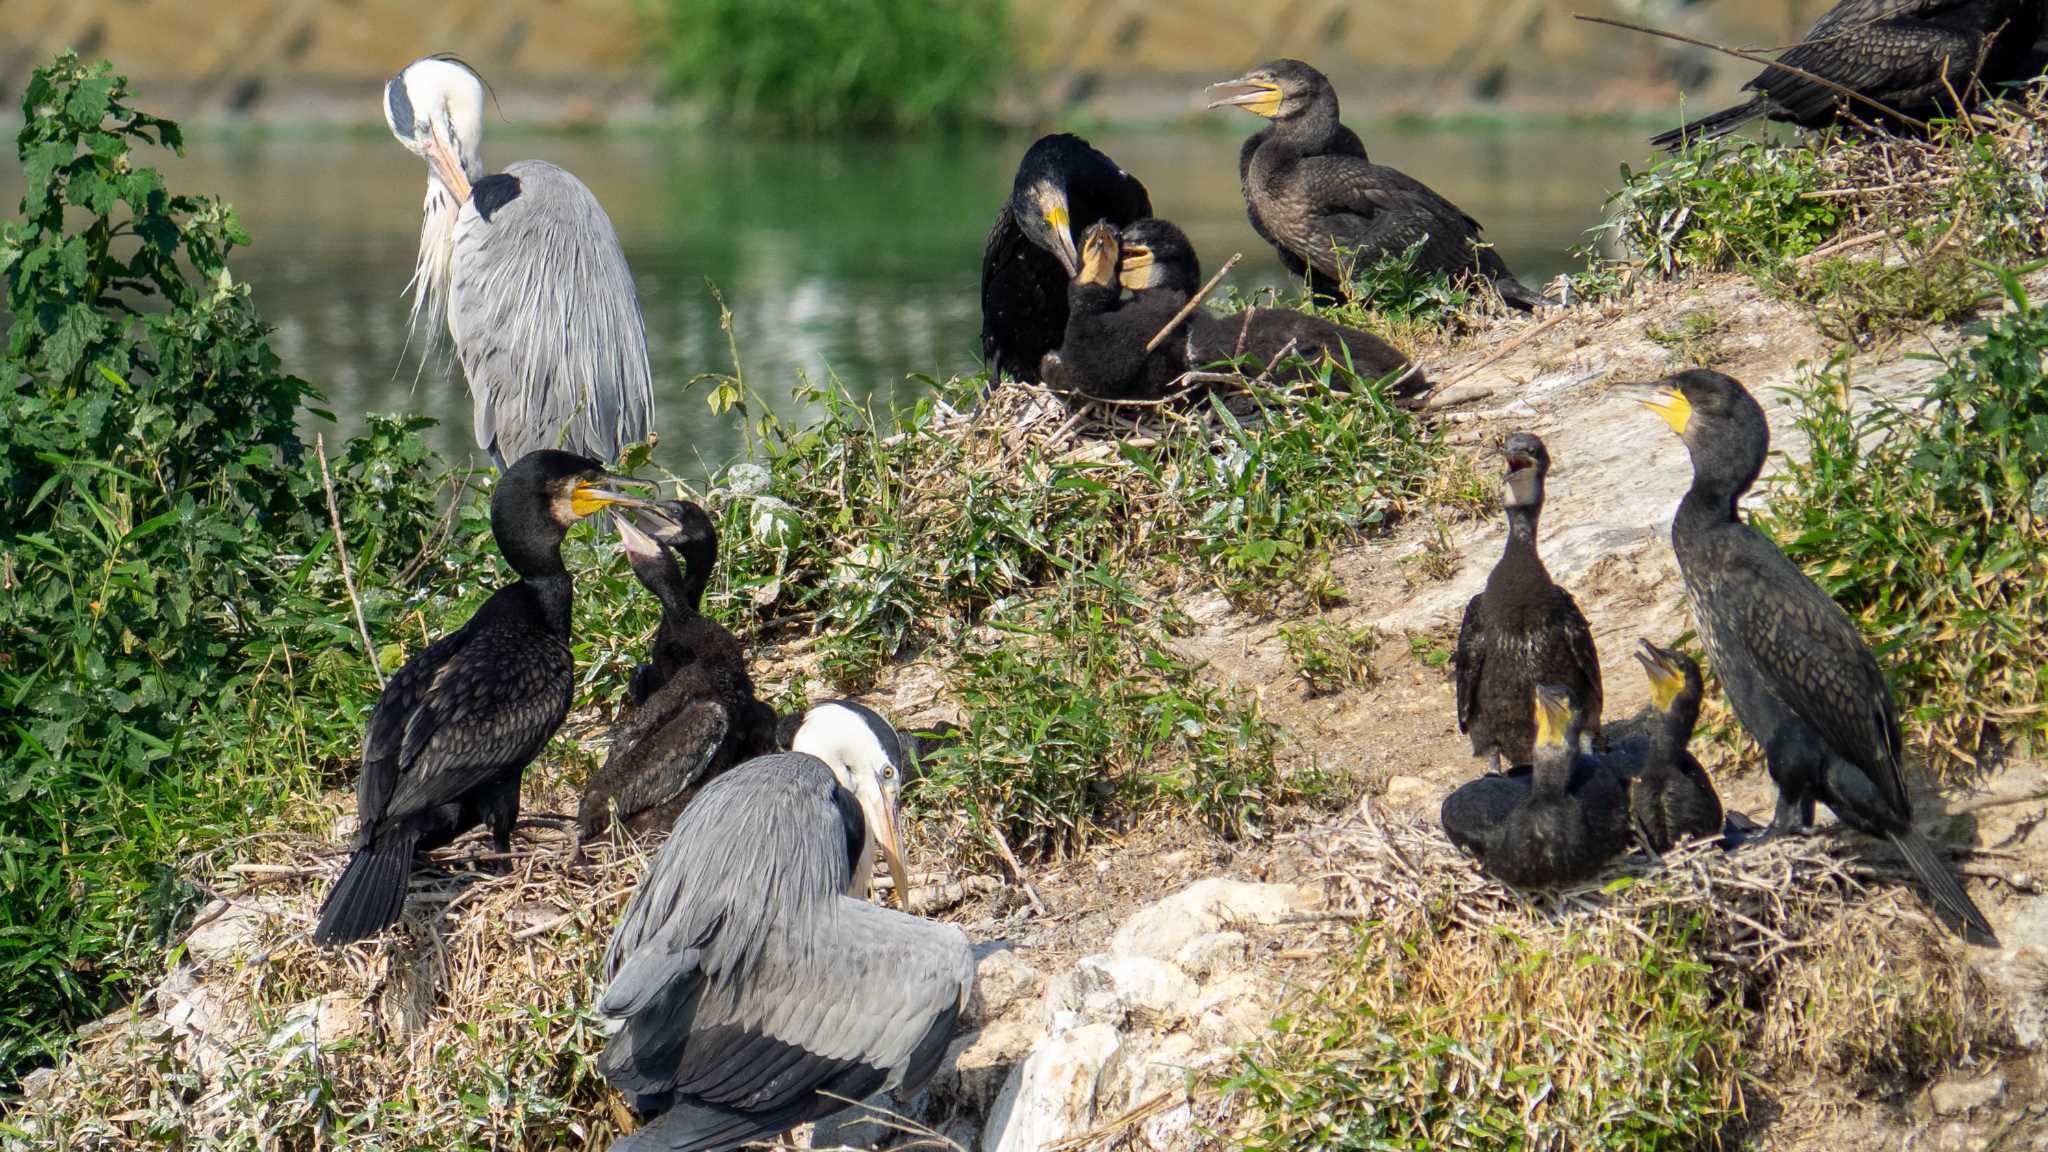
(436, 109)
(864, 752)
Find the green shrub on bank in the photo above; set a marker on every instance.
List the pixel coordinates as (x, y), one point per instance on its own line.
(1929, 524)
(835, 65)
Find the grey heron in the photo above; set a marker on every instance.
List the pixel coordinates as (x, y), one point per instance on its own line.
(529, 272)
(753, 988)
(695, 713)
(455, 728)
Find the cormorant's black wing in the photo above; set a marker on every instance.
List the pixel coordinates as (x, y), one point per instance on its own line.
(1375, 210)
(402, 696)
(1470, 656)
(666, 746)
(1023, 301)
(1584, 656)
(1803, 649)
(492, 706)
(1883, 49)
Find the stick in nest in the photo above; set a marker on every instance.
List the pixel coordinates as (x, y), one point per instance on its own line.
(341, 550)
(1193, 303)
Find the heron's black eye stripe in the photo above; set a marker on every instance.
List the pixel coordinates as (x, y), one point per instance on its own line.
(399, 105)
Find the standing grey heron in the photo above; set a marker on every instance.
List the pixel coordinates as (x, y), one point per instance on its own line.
(529, 271)
(753, 987)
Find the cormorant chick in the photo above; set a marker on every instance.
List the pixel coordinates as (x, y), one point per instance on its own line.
(1339, 213)
(1671, 798)
(701, 716)
(1062, 188)
(1102, 355)
(1564, 829)
(1522, 630)
(1793, 666)
(1908, 55)
(1157, 259)
(458, 724)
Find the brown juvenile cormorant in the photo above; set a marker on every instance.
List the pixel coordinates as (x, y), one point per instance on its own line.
(458, 724)
(1522, 629)
(1340, 213)
(1102, 356)
(1572, 819)
(1063, 187)
(1344, 143)
(701, 716)
(1792, 664)
(1907, 55)
(1671, 798)
(1157, 259)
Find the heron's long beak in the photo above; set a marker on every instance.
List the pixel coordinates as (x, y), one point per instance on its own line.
(882, 820)
(1670, 404)
(603, 492)
(446, 164)
(1259, 97)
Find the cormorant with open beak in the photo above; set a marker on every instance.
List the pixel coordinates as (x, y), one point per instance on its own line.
(1671, 798)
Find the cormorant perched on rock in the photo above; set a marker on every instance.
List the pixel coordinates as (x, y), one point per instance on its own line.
(1340, 213)
(1671, 798)
(1907, 55)
(1572, 819)
(1102, 355)
(700, 716)
(458, 724)
(1062, 188)
(1157, 259)
(1522, 630)
(1792, 664)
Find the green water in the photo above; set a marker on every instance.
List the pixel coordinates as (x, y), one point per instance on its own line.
(851, 258)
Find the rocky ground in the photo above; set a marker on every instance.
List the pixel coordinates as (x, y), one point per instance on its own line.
(1112, 985)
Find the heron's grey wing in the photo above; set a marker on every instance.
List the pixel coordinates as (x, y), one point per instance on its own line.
(1469, 659)
(545, 318)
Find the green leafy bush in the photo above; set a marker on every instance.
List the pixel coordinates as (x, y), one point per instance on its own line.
(825, 65)
(1929, 524)
(1723, 204)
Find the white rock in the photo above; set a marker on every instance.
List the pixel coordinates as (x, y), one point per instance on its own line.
(1001, 980)
(226, 932)
(1957, 1097)
(335, 1018)
(978, 1064)
(1233, 1009)
(1161, 929)
(2015, 970)
(1212, 953)
(1138, 1074)
(1051, 1096)
(1121, 990)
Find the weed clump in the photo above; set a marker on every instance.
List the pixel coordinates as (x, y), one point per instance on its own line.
(1929, 524)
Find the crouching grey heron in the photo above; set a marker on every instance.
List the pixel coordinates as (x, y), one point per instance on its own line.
(538, 299)
(753, 987)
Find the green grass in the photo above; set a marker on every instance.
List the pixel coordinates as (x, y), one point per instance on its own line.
(1328, 656)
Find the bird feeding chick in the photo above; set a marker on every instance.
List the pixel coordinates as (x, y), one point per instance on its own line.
(752, 986)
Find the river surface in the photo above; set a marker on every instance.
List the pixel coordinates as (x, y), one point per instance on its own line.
(856, 260)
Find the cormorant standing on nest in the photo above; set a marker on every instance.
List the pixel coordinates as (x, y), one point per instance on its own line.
(1792, 664)
(1063, 187)
(1671, 798)
(1157, 259)
(458, 724)
(1102, 355)
(1329, 209)
(1573, 818)
(1907, 55)
(1522, 630)
(701, 716)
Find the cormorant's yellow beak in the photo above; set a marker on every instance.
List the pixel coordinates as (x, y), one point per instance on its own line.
(1135, 268)
(601, 492)
(1057, 220)
(637, 545)
(448, 166)
(1666, 682)
(1553, 715)
(1099, 256)
(1258, 97)
(1672, 405)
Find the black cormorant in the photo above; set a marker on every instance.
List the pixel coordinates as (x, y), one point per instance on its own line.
(1062, 188)
(458, 724)
(1793, 666)
(1671, 797)
(1573, 818)
(1344, 143)
(1102, 355)
(1341, 213)
(701, 715)
(1157, 259)
(1907, 55)
(1522, 629)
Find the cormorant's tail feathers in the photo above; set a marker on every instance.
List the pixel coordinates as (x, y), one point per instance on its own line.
(1709, 127)
(1932, 867)
(1519, 295)
(370, 893)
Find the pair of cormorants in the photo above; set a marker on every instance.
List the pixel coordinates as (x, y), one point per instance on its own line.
(1310, 190)
(1905, 56)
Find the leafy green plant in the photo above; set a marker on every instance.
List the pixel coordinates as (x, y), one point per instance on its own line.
(1329, 656)
(826, 65)
(1723, 204)
(1929, 524)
